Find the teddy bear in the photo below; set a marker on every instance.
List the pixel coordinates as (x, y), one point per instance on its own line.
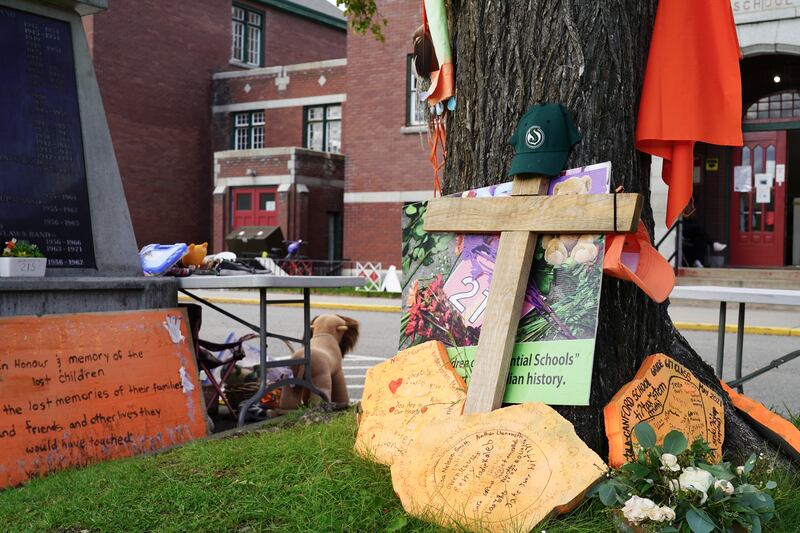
(579, 248)
(195, 255)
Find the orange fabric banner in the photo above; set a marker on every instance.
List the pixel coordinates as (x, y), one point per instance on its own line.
(692, 90)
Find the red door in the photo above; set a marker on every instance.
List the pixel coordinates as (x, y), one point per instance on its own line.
(254, 207)
(758, 219)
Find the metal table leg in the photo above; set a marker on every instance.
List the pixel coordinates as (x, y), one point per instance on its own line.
(723, 308)
(739, 345)
(262, 345)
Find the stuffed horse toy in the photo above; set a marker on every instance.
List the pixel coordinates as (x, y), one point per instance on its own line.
(332, 337)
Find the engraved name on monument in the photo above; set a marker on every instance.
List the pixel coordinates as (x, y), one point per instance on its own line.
(43, 190)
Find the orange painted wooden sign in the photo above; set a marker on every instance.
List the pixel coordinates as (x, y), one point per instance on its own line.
(667, 396)
(79, 388)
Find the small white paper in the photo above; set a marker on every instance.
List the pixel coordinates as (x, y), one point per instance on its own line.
(763, 188)
(780, 174)
(742, 178)
(770, 168)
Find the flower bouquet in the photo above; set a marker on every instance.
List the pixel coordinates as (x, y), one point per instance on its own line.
(678, 488)
(21, 258)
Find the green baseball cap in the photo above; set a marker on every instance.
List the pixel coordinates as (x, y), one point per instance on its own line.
(543, 140)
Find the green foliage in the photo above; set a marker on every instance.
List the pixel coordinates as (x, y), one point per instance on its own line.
(419, 246)
(15, 248)
(678, 488)
(364, 17)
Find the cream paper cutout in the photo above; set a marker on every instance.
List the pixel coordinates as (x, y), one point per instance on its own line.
(501, 471)
(402, 395)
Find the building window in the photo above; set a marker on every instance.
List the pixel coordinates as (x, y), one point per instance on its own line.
(779, 105)
(246, 36)
(248, 130)
(323, 129)
(415, 110)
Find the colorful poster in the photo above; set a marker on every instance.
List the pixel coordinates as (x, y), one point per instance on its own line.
(446, 280)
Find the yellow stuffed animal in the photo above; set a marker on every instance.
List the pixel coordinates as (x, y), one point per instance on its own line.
(579, 248)
(195, 255)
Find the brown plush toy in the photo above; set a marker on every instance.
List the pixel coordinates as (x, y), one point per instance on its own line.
(333, 336)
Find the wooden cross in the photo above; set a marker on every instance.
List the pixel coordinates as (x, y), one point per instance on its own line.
(519, 218)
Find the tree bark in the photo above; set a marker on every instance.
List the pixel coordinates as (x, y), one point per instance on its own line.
(590, 56)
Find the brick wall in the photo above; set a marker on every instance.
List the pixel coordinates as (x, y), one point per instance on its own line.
(154, 62)
(380, 157)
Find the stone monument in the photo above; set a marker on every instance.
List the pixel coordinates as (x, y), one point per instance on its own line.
(60, 187)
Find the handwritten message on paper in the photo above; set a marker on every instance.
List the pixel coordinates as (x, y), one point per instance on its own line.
(667, 396)
(404, 394)
(500, 471)
(85, 387)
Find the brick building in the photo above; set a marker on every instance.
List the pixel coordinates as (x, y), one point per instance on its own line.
(161, 67)
(385, 137)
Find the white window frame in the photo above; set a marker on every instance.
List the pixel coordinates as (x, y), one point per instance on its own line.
(247, 35)
(331, 114)
(248, 130)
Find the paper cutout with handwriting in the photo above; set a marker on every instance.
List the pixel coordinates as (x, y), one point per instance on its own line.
(84, 387)
(666, 395)
(403, 394)
(506, 470)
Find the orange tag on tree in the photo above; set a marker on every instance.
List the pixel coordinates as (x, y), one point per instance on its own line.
(667, 396)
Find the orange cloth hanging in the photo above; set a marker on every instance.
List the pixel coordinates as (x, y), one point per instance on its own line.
(692, 90)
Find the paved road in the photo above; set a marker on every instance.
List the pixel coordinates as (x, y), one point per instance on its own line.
(380, 334)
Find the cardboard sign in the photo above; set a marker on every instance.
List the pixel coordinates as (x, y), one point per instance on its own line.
(506, 470)
(85, 387)
(667, 396)
(448, 277)
(404, 394)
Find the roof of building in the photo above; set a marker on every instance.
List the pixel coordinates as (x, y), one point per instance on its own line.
(318, 10)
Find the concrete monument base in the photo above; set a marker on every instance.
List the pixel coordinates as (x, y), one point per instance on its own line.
(47, 296)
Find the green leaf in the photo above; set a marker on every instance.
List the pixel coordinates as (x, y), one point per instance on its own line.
(608, 494)
(771, 485)
(718, 471)
(645, 435)
(756, 522)
(669, 529)
(698, 521)
(675, 443)
(396, 524)
(411, 210)
(750, 464)
(637, 471)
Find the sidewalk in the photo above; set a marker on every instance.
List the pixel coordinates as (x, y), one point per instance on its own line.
(758, 319)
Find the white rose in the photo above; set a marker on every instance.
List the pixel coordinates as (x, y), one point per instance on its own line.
(670, 462)
(636, 509)
(669, 513)
(656, 514)
(739, 470)
(696, 479)
(724, 485)
(674, 485)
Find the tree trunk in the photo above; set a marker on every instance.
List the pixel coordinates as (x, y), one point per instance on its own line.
(590, 56)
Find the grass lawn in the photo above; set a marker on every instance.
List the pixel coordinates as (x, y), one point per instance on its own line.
(304, 478)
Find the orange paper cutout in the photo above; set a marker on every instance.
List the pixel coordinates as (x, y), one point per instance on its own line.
(404, 394)
(667, 396)
(782, 433)
(506, 470)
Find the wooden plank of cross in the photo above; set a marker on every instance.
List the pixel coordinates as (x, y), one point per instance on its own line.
(519, 219)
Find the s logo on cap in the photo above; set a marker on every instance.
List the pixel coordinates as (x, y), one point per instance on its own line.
(534, 137)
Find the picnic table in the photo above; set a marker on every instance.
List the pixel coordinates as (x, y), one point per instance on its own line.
(742, 296)
(262, 282)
